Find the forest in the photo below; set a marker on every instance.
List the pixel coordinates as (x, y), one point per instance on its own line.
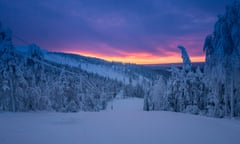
(30, 82)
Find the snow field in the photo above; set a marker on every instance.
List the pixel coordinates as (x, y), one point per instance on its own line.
(116, 128)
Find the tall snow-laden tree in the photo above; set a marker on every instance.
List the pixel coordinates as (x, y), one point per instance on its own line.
(155, 97)
(8, 69)
(183, 91)
(222, 67)
(186, 60)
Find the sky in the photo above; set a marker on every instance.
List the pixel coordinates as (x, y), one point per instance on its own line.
(131, 31)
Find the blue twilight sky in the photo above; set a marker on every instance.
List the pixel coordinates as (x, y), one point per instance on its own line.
(141, 31)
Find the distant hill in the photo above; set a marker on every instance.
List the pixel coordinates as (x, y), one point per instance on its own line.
(194, 64)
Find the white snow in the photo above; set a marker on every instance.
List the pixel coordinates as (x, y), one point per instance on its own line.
(116, 128)
(129, 104)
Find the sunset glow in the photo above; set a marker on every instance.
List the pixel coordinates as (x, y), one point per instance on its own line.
(141, 32)
(140, 58)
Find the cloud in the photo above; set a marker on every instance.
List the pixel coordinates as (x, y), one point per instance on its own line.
(110, 26)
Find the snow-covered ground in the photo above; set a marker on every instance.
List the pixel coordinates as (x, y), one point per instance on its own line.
(124, 123)
(116, 128)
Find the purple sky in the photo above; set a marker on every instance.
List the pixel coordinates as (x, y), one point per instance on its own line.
(113, 28)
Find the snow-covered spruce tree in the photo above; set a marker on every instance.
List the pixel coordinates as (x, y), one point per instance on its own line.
(71, 101)
(155, 99)
(57, 92)
(8, 71)
(181, 92)
(186, 60)
(182, 87)
(37, 91)
(222, 68)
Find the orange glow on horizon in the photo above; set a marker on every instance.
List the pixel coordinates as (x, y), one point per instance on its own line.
(140, 58)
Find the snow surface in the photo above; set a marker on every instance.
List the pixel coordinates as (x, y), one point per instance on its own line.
(122, 127)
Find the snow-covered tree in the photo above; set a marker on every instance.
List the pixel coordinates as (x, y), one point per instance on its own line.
(156, 97)
(223, 63)
(8, 69)
(183, 91)
(186, 60)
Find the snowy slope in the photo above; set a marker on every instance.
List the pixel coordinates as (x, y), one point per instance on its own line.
(116, 128)
(91, 65)
(125, 73)
(102, 70)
